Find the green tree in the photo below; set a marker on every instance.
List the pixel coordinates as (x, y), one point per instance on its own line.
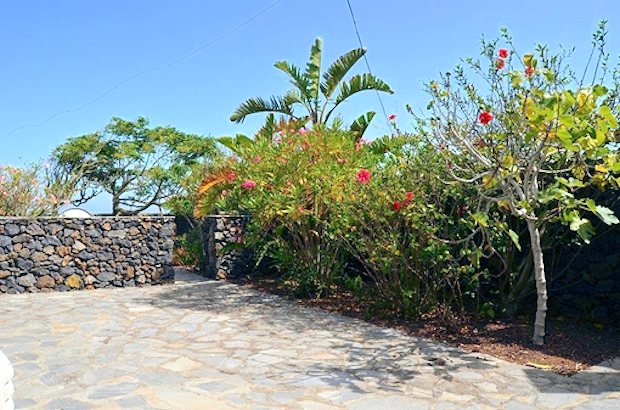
(318, 97)
(138, 166)
(532, 143)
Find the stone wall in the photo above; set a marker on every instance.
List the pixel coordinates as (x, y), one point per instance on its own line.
(63, 254)
(221, 237)
(590, 286)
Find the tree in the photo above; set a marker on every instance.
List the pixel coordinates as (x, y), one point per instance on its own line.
(533, 145)
(318, 98)
(138, 166)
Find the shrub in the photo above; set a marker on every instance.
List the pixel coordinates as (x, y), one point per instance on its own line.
(34, 190)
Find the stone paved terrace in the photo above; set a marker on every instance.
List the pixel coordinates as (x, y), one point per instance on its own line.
(212, 345)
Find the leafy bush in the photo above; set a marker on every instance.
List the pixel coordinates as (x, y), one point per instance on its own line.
(293, 185)
(34, 190)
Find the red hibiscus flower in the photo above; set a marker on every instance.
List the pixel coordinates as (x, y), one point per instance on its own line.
(392, 117)
(408, 197)
(503, 53)
(396, 206)
(248, 184)
(363, 176)
(499, 64)
(529, 70)
(485, 117)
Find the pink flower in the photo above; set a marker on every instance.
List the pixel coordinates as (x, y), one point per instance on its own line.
(503, 53)
(303, 131)
(392, 117)
(363, 176)
(224, 193)
(485, 117)
(248, 184)
(359, 144)
(232, 175)
(529, 70)
(257, 159)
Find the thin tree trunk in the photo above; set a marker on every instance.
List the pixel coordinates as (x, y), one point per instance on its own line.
(541, 284)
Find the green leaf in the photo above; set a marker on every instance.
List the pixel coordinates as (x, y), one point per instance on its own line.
(515, 238)
(338, 70)
(313, 68)
(606, 215)
(360, 125)
(481, 219)
(256, 105)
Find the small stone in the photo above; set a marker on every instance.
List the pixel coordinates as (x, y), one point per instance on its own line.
(11, 229)
(106, 276)
(4, 274)
(22, 238)
(63, 250)
(49, 250)
(35, 229)
(26, 280)
(39, 257)
(5, 240)
(78, 246)
(46, 282)
(24, 264)
(74, 281)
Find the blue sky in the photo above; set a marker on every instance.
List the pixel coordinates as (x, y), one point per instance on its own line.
(58, 55)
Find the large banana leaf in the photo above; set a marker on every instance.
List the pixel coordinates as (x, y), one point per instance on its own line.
(338, 70)
(313, 69)
(255, 105)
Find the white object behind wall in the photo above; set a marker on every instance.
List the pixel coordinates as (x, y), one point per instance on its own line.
(6, 383)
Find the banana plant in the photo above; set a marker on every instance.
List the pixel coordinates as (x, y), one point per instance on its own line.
(318, 97)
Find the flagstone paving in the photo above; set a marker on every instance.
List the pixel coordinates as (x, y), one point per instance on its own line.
(213, 345)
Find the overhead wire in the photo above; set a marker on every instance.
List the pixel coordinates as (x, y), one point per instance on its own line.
(359, 39)
(155, 68)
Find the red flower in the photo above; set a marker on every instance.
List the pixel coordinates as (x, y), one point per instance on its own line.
(499, 64)
(503, 53)
(363, 176)
(485, 117)
(408, 197)
(248, 184)
(396, 206)
(392, 117)
(257, 159)
(231, 176)
(529, 70)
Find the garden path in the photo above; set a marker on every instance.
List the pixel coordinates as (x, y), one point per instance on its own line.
(212, 345)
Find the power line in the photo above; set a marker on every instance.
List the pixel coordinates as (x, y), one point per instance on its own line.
(149, 70)
(359, 39)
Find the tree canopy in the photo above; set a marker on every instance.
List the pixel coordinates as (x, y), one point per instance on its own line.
(138, 166)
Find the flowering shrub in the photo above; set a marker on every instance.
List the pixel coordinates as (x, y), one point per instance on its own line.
(395, 230)
(35, 190)
(293, 184)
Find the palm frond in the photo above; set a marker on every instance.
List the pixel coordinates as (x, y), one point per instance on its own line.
(313, 68)
(206, 195)
(338, 70)
(360, 125)
(357, 83)
(256, 105)
(298, 79)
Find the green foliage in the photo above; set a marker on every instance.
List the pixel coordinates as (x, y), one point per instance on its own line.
(316, 96)
(138, 166)
(34, 190)
(188, 249)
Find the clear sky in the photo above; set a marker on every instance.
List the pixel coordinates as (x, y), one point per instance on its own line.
(60, 56)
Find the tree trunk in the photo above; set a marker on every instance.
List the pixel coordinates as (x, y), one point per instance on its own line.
(541, 284)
